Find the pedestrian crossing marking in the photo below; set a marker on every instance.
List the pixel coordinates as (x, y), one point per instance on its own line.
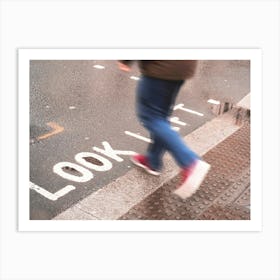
(49, 195)
(145, 139)
(181, 107)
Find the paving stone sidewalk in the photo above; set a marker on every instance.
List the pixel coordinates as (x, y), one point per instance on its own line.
(224, 195)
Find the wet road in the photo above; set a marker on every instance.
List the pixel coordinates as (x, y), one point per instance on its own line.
(83, 125)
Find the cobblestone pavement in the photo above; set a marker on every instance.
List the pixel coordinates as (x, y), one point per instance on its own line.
(224, 195)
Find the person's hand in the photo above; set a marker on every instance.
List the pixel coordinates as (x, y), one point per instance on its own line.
(124, 67)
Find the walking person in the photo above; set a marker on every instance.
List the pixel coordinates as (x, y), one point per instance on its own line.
(156, 94)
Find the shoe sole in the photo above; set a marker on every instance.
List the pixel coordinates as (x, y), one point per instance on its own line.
(194, 181)
(155, 173)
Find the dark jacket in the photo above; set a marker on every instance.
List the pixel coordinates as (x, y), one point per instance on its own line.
(166, 69)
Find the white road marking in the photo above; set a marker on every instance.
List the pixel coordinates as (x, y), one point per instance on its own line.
(213, 101)
(72, 107)
(110, 152)
(97, 66)
(86, 174)
(106, 164)
(176, 120)
(181, 107)
(49, 195)
(145, 139)
(134, 78)
(176, 128)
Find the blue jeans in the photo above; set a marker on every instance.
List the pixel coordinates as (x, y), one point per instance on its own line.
(154, 103)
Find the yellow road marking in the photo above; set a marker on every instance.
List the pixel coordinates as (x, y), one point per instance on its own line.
(56, 129)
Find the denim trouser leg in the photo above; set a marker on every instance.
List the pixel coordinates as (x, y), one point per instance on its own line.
(155, 152)
(155, 100)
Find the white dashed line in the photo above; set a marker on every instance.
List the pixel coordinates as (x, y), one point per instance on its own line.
(97, 66)
(213, 101)
(134, 78)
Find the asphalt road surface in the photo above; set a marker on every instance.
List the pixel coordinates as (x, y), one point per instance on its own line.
(83, 127)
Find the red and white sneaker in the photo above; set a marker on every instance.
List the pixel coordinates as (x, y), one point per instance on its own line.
(142, 162)
(192, 178)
